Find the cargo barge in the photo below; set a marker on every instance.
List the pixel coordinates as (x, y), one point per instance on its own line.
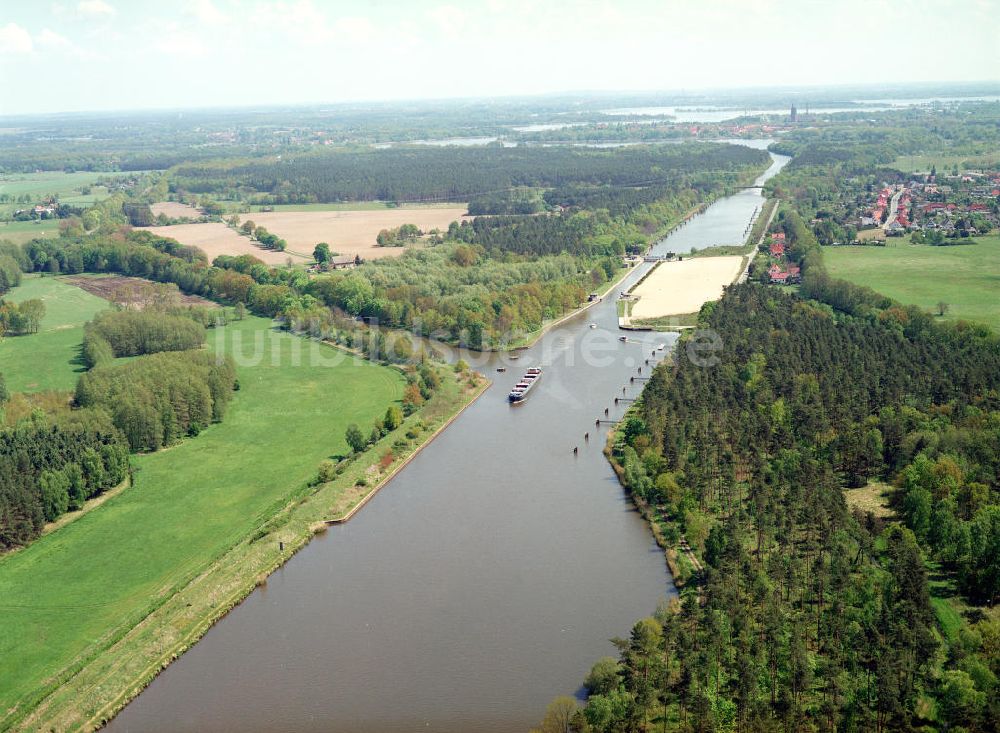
(520, 391)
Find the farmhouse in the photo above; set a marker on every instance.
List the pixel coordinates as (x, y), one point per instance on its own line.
(343, 263)
(778, 276)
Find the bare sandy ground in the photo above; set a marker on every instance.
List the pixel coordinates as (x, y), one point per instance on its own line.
(676, 288)
(216, 239)
(348, 233)
(175, 210)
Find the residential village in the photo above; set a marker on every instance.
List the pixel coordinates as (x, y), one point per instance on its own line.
(950, 206)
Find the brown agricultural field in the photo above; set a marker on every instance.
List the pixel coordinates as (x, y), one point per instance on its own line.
(216, 239)
(351, 232)
(175, 210)
(348, 233)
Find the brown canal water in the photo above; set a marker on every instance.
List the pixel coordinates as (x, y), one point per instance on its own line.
(483, 581)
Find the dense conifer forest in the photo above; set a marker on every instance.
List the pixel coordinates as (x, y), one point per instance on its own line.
(810, 615)
(52, 463)
(452, 173)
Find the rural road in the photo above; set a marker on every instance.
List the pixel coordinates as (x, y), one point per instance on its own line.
(893, 205)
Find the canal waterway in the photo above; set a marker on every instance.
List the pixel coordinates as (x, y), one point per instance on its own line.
(483, 581)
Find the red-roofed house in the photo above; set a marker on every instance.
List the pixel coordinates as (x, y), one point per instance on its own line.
(777, 249)
(781, 277)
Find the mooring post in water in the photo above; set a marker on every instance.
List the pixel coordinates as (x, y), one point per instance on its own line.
(640, 370)
(616, 400)
(597, 422)
(586, 436)
(576, 449)
(605, 412)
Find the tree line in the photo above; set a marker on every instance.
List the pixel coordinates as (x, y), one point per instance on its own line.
(10, 273)
(157, 399)
(508, 274)
(114, 334)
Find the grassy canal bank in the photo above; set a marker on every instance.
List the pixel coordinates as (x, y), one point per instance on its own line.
(93, 611)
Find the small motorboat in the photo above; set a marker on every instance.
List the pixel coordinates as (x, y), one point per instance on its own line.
(623, 338)
(593, 325)
(501, 369)
(661, 347)
(514, 356)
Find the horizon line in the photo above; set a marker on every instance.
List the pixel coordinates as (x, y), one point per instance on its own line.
(563, 94)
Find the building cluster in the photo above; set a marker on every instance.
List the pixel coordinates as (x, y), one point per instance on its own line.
(781, 272)
(44, 210)
(955, 205)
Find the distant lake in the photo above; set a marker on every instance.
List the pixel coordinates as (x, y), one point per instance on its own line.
(711, 113)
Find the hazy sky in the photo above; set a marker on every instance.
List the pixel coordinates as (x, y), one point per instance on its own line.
(126, 54)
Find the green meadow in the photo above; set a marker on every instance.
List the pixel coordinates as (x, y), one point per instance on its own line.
(49, 359)
(944, 162)
(65, 186)
(65, 597)
(966, 276)
(46, 183)
(20, 232)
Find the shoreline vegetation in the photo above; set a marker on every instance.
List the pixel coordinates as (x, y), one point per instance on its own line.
(679, 574)
(92, 686)
(87, 696)
(679, 557)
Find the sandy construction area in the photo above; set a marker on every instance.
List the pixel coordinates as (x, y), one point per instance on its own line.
(216, 239)
(675, 288)
(175, 210)
(348, 233)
